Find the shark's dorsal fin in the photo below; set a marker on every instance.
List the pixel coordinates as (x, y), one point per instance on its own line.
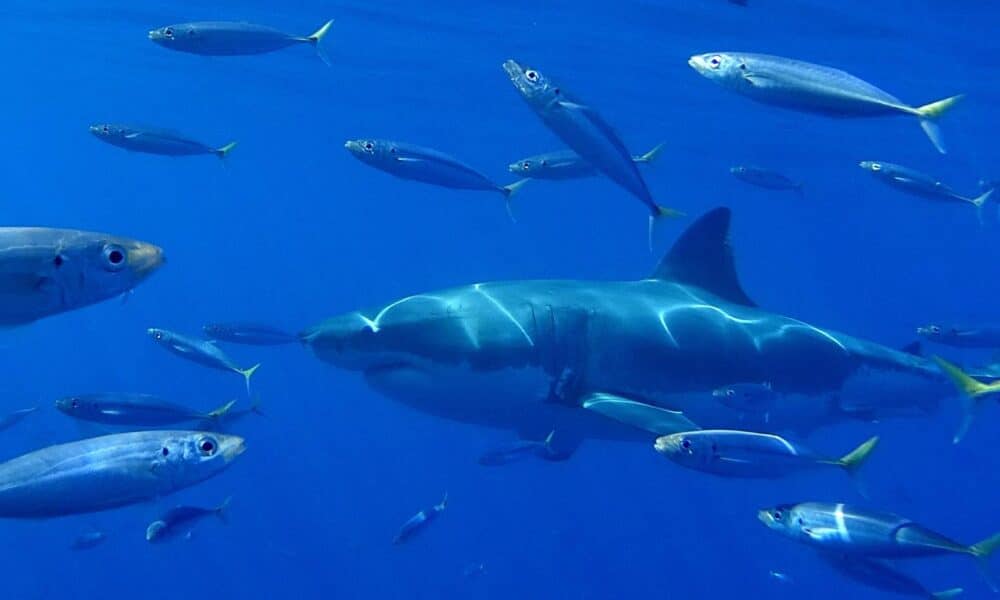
(702, 257)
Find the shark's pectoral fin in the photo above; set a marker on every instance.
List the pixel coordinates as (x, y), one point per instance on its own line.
(653, 419)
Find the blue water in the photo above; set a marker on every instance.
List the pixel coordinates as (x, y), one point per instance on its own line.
(295, 230)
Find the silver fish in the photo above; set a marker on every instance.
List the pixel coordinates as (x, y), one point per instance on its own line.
(44, 271)
(254, 334)
(143, 410)
(566, 164)
(961, 336)
(585, 132)
(13, 418)
(808, 87)
(203, 352)
(155, 141)
(848, 530)
(920, 184)
(88, 540)
(111, 471)
(176, 521)
(419, 521)
(877, 574)
(225, 38)
(765, 178)
(408, 161)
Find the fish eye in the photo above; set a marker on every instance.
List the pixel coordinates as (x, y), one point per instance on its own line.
(526, 165)
(531, 75)
(58, 261)
(114, 257)
(165, 451)
(730, 393)
(686, 444)
(207, 446)
(777, 515)
(369, 146)
(168, 31)
(392, 150)
(74, 403)
(105, 129)
(935, 329)
(876, 167)
(715, 62)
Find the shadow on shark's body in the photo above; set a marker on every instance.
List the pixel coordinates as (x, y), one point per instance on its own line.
(618, 360)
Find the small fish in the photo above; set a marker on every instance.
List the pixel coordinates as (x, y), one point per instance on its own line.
(877, 574)
(419, 521)
(808, 87)
(765, 178)
(177, 521)
(407, 161)
(750, 397)
(222, 38)
(566, 164)
(45, 271)
(10, 419)
(203, 352)
(585, 132)
(155, 141)
(779, 576)
(474, 570)
(973, 393)
(755, 455)
(111, 471)
(254, 334)
(919, 184)
(847, 530)
(961, 337)
(88, 540)
(520, 450)
(143, 410)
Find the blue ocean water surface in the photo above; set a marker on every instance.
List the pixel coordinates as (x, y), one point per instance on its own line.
(292, 229)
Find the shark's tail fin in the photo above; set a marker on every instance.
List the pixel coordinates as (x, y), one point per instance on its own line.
(660, 214)
(930, 113)
(508, 192)
(973, 392)
(316, 39)
(983, 551)
(650, 156)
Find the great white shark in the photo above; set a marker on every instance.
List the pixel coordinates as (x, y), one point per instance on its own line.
(623, 359)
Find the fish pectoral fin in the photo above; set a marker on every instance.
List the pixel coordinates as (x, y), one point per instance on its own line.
(900, 179)
(653, 419)
(408, 159)
(821, 534)
(756, 80)
(131, 136)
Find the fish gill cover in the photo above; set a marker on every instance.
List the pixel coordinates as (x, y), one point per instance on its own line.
(438, 336)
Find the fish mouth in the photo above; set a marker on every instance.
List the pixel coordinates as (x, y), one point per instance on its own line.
(233, 447)
(155, 35)
(145, 258)
(516, 74)
(353, 145)
(697, 62)
(514, 168)
(764, 516)
(666, 444)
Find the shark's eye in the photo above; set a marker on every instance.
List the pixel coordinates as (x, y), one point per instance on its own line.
(531, 75)
(165, 451)
(114, 257)
(715, 62)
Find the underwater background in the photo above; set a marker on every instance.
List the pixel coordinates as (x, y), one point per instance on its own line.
(292, 229)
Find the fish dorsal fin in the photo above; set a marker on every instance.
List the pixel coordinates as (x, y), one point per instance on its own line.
(702, 257)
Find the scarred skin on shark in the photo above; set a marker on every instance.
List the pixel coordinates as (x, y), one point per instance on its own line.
(528, 355)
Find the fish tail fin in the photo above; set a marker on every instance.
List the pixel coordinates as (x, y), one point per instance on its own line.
(443, 504)
(221, 411)
(945, 594)
(316, 39)
(255, 406)
(224, 151)
(650, 156)
(222, 510)
(972, 393)
(857, 458)
(929, 113)
(983, 551)
(980, 200)
(659, 214)
(548, 440)
(508, 192)
(247, 374)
